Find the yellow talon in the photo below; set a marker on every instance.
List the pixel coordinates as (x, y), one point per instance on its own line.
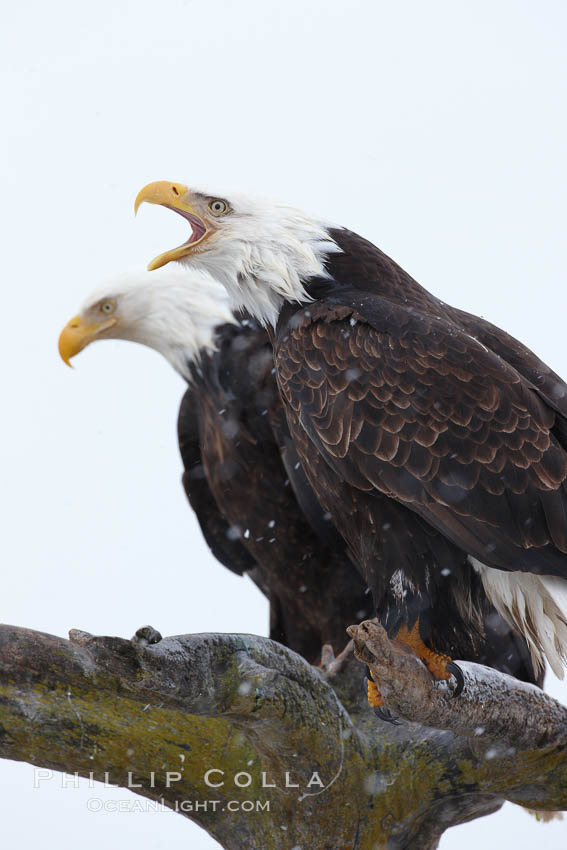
(434, 661)
(374, 698)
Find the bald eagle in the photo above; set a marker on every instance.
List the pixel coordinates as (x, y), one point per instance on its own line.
(436, 441)
(241, 470)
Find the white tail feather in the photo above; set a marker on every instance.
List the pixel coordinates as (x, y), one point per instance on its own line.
(536, 606)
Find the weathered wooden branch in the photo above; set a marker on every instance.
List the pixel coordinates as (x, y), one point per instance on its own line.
(494, 707)
(161, 713)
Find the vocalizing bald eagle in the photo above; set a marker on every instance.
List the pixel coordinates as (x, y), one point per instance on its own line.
(437, 442)
(235, 448)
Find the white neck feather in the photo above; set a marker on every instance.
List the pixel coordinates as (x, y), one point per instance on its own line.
(264, 257)
(169, 311)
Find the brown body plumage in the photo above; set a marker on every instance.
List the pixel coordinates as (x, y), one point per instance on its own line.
(259, 514)
(428, 447)
(232, 436)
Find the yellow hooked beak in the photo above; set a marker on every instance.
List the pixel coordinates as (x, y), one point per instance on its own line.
(171, 195)
(76, 335)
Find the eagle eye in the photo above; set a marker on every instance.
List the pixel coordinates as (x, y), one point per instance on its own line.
(218, 207)
(108, 307)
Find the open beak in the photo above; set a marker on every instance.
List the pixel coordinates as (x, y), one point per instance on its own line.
(171, 195)
(76, 335)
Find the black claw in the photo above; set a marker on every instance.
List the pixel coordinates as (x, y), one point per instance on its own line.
(458, 674)
(384, 714)
(381, 711)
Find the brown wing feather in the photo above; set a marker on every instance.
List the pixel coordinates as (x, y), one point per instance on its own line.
(215, 528)
(314, 590)
(547, 383)
(414, 407)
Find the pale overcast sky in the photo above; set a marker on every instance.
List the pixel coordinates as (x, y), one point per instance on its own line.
(436, 129)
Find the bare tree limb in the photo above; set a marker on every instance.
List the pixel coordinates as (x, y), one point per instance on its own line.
(166, 711)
